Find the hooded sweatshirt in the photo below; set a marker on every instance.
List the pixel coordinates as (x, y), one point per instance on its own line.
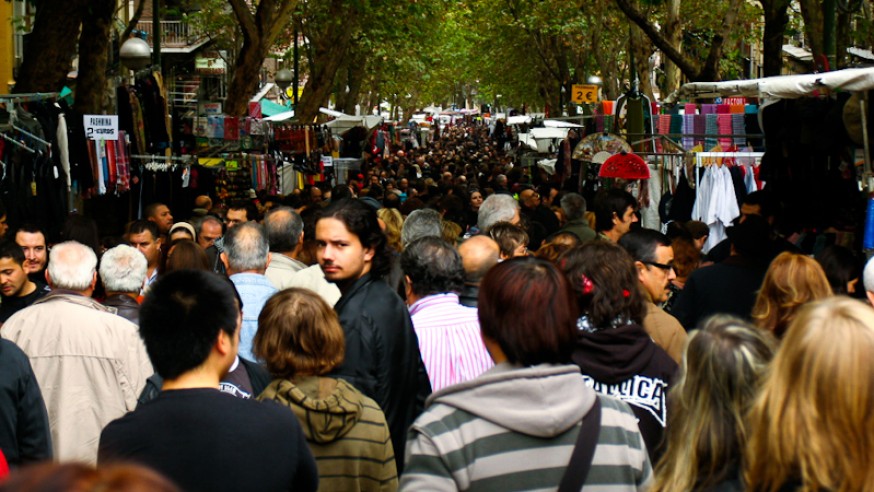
(514, 428)
(346, 431)
(625, 363)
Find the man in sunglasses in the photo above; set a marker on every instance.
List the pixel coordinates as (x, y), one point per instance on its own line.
(654, 260)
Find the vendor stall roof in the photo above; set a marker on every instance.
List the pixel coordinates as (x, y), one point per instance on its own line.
(345, 122)
(518, 120)
(286, 115)
(780, 87)
(560, 124)
(270, 108)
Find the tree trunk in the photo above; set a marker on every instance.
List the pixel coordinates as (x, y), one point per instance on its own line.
(811, 12)
(642, 51)
(245, 81)
(674, 35)
(776, 13)
(133, 21)
(329, 46)
(842, 40)
(355, 81)
(51, 46)
(94, 56)
(690, 68)
(259, 32)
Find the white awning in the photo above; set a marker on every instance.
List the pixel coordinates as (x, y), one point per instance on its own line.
(287, 115)
(780, 87)
(560, 124)
(518, 120)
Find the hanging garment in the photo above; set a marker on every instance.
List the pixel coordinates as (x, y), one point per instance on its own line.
(122, 162)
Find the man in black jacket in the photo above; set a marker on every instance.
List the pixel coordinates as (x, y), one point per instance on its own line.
(382, 351)
(24, 424)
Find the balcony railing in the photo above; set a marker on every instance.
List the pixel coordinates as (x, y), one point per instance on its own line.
(174, 34)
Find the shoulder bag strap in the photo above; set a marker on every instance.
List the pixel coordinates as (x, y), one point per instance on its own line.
(584, 450)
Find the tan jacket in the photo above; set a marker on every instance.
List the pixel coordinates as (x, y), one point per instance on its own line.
(90, 365)
(665, 331)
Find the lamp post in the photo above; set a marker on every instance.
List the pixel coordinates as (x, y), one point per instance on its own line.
(283, 78)
(156, 34)
(562, 112)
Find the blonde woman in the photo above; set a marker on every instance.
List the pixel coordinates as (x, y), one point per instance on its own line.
(792, 280)
(300, 341)
(812, 426)
(394, 222)
(721, 372)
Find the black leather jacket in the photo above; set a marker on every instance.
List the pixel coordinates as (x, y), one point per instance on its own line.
(382, 355)
(125, 306)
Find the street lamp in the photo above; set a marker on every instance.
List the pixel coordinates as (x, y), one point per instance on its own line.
(135, 54)
(283, 78)
(561, 101)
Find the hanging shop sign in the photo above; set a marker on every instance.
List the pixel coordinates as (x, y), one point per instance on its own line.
(584, 93)
(212, 108)
(101, 126)
(210, 66)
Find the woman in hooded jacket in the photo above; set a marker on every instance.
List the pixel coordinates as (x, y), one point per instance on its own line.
(615, 354)
(300, 340)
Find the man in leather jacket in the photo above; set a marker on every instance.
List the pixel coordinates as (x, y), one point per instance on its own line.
(382, 351)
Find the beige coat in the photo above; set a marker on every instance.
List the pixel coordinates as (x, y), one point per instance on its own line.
(90, 365)
(665, 331)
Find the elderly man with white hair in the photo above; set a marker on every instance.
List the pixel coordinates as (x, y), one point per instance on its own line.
(89, 363)
(420, 223)
(123, 271)
(497, 208)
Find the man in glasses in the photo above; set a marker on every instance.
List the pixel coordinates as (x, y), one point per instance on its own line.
(654, 260)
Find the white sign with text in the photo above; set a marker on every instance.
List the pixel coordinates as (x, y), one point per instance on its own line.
(101, 126)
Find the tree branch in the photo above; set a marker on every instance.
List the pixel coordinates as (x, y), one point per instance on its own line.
(133, 21)
(686, 65)
(245, 17)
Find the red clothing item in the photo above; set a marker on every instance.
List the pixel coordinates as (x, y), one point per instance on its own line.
(4, 467)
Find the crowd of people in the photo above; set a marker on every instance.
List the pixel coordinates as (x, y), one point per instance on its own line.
(445, 320)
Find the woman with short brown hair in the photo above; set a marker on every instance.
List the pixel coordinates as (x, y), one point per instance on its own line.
(300, 340)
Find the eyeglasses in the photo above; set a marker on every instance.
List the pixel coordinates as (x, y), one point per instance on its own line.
(663, 266)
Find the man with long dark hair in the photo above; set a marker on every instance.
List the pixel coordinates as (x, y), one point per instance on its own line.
(382, 351)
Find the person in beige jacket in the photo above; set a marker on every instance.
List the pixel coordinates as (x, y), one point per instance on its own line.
(90, 364)
(654, 259)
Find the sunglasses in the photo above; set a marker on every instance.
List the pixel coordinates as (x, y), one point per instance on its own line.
(663, 266)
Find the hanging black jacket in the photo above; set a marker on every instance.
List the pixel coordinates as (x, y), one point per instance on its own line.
(382, 355)
(625, 363)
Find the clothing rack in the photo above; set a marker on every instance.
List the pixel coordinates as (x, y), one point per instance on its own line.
(159, 157)
(28, 97)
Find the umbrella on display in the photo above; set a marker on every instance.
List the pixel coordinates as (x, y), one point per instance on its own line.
(599, 142)
(624, 165)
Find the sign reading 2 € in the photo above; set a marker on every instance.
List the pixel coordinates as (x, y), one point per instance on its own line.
(584, 93)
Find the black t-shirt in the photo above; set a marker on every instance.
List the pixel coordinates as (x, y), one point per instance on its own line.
(11, 305)
(237, 382)
(206, 440)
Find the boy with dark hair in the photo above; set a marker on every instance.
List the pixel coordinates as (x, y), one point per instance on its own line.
(194, 434)
(17, 291)
(614, 213)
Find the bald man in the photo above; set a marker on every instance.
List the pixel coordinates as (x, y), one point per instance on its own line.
(478, 255)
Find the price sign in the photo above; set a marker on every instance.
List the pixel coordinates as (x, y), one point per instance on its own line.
(101, 126)
(584, 93)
